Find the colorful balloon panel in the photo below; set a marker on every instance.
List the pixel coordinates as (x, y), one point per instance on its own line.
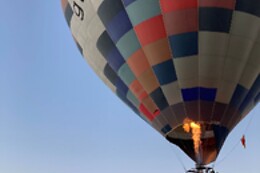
(172, 60)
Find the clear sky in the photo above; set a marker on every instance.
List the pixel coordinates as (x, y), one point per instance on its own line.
(56, 116)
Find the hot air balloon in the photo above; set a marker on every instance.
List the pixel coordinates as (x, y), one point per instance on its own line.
(189, 68)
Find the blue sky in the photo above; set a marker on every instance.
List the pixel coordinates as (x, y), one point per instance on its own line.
(56, 116)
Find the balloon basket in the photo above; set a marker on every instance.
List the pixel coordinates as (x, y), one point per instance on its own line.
(201, 169)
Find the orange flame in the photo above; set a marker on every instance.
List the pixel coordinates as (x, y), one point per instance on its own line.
(195, 129)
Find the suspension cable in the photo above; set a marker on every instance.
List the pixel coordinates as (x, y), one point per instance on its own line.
(250, 121)
(178, 157)
(236, 144)
(228, 154)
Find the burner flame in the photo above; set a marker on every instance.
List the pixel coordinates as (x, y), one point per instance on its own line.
(195, 129)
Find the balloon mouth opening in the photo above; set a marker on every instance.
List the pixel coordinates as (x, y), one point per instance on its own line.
(201, 141)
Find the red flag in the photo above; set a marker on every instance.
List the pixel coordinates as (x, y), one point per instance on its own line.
(243, 141)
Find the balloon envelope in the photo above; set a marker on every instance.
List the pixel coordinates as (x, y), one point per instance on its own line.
(176, 63)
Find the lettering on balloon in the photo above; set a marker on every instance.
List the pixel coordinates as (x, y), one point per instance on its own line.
(78, 10)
